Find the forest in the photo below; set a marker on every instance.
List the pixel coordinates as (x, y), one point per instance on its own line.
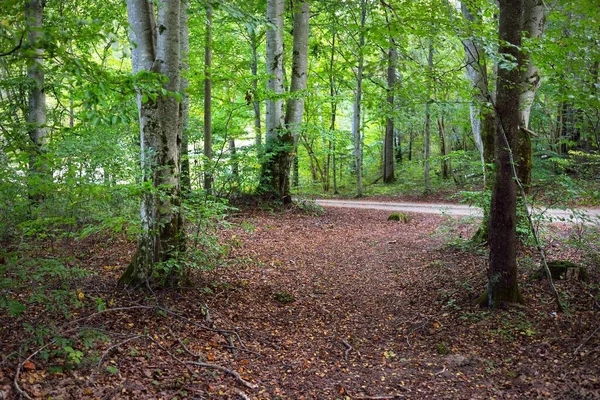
(327, 199)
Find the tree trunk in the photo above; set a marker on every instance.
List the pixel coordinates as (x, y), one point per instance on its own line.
(410, 143)
(36, 111)
(295, 105)
(157, 49)
(534, 22)
(271, 182)
(356, 126)
(186, 183)
(502, 276)
(482, 117)
(427, 144)
(208, 100)
(388, 143)
(255, 101)
(235, 167)
(446, 163)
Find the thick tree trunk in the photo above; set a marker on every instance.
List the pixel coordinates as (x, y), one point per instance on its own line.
(534, 22)
(502, 276)
(208, 100)
(271, 183)
(295, 105)
(162, 238)
(388, 143)
(356, 114)
(36, 111)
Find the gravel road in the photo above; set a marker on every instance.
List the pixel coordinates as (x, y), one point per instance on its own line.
(587, 215)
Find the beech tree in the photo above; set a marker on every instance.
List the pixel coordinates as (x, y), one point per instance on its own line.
(534, 21)
(502, 276)
(156, 50)
(36, 110)
(283, 129)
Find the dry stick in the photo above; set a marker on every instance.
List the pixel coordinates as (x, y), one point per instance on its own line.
(348, 349)
(237, 376)
(243, 395)
(18, 372)
(380, 397)
(585, 341)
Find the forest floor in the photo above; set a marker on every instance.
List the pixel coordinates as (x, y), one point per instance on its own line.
(342, 304)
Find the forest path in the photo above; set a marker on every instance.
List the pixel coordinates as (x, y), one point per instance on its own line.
(587, 215)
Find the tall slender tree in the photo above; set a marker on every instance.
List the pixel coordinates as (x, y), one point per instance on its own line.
(356, 112)
(482, 116)
(208, 99)
(156, 49)
(388, 143)
(502, 276)
(271, 181)
(534, 21)
(36, 110)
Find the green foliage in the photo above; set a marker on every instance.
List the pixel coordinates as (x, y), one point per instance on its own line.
(205, 216)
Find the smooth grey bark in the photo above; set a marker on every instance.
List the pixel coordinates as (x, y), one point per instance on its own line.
(482, 116)
(534, 21)
(295, 104)
(275, 124)
(156, 48)
(208, 100)
(333, 102)
(502, 276)
(427, 144)
(388, 142)
(186, 183)
(356, 111)
(36, 110)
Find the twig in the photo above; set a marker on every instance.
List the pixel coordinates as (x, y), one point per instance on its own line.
(377, 397)
(585, 341)
(348, 349)
(441, 372)
(237, 376)
(20, 366)
(228, 371)
(243, 395)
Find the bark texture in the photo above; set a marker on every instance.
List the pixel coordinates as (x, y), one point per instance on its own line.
(388, 142)
(186, 183)
(295, 105)
(271, 183)
(157, 49)
(482, 115)
(502, 276)
(356, 112)
(427, 145)
(208, 100)
(534, 21)
(36, 111)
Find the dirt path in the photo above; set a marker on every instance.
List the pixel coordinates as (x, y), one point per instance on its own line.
(587, 215)
(344, 305)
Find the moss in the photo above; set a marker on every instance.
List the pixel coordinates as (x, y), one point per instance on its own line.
(400, 217)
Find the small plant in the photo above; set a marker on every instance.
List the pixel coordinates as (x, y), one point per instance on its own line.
(442, 349)
(284, 297)
(400, 217)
